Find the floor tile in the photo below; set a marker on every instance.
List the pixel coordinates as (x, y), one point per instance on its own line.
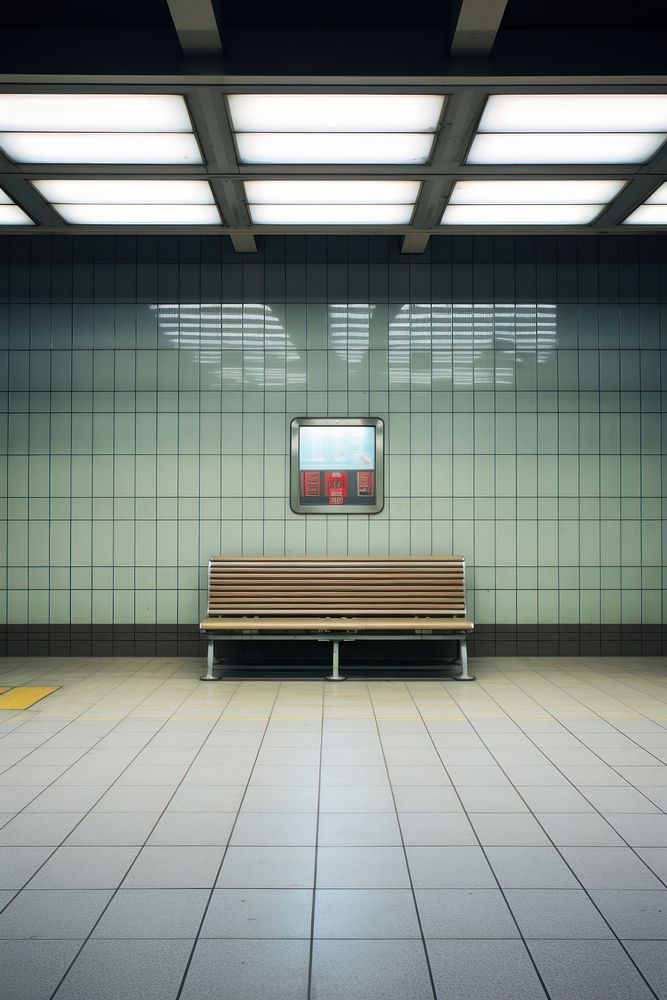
(85, 868)
(126, 970)
(211, 829)
(248, 970)
(581, 830)
(634, 914)
(650, 957)
(501, 969)
(596, 970)
(259, 913)
(18, 864)
(641, 830)
(508, 830)
(437, 829)
(361, 798)
(275, 830)
(618, 800)
(284, 799)
(609, 868)
(426, 798)
(173, 867)
(120, 829)
(477, 798)
(153, 913)
(365, 913)
(268, 867)
(362, 868)
(530, 868)
(38, 829)
(449, 868)
(370, 970)
(359, 830)
(53, 913)
(206, 798)
(556, 913)
(465, 913)
(31, 970)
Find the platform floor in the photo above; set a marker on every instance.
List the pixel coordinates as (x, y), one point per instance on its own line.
(164, 839)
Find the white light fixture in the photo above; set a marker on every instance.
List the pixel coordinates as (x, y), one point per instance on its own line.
(335, 112)
(93, 113)
(341, 215)
(525, 192)
(575, 113)
(520, 215)
(126, 192)
(101, 147)
(648, 215)
(654, 210)
(131, 202)
(335, 128)
(12, 215)
(334, 147)
(332, 192)
(139, 215)
(311, 203)
(559, 147)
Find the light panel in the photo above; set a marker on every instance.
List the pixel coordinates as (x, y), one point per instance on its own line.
(335, 112)
(93, 112)
(575, 113)
(337, 215)
(332, 192)
(334, 147)
(101, 147)
(658, 197)
(520, 215)
(12, 215)
(524, 192)
(518, 148)
(126, 192)
(649, 215)
(139, 215)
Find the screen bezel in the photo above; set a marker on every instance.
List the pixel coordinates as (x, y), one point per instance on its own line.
(295, 467)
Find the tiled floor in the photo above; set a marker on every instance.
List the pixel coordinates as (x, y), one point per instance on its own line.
(162, 838)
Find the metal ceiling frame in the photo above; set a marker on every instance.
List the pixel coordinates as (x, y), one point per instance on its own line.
(205, 96)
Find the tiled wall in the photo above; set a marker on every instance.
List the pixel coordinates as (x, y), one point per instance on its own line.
(147, 387)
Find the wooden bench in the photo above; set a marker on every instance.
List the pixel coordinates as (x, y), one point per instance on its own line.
(336, 599)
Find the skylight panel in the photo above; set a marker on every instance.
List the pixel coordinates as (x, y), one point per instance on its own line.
(12, 215)
(575, 113)
(97, 128)
(520, 215)
(341, 215)
(524, 192)
(559, 147)
(353, 202)
(335, 128)
(93, 113)
(335, 112)
(332, 192)
(132, 202)
(334, 147)
(126, 192)
(101, 147)
(654, 210)
(528, 202)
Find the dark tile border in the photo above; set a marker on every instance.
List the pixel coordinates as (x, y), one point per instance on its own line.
(184, 640)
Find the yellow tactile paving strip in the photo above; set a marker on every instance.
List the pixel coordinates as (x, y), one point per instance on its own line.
(23, 697)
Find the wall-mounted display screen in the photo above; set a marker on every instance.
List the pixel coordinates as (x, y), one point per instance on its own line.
(337, 465)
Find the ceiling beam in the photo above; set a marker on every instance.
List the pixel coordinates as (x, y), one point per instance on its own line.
(196, 27)
(477, 27)
(415, 242)
(243, 242)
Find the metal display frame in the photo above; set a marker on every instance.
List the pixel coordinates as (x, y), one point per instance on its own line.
(344, 508)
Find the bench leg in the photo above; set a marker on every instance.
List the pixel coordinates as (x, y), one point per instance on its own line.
(463, 659)
(335, 675)
(210, 657)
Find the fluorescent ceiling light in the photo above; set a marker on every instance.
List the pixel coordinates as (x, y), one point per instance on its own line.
(93, 113)
(575, 113)
(126, 192)
(101, 147)
(319, 215)
(5, 199)
(332, 192)
(520, 215)
(335, 112)
(12, 215)
(649, 215)
(658, 197)
(334, 147)
(139, 215)
(564, 148)
(520, 192)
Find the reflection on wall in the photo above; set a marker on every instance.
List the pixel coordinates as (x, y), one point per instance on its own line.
(470, 344)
